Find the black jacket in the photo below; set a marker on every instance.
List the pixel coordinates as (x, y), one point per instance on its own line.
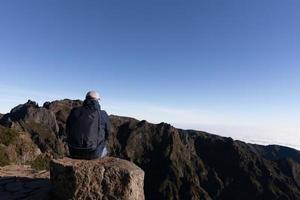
(104, 124)
(87, 128)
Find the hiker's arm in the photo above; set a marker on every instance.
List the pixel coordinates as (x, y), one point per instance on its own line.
(68, 127)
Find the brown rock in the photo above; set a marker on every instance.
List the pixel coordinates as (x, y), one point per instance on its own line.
(9, 173)
(106, 178)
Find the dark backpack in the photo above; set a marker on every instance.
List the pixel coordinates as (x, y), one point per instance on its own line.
(83, 128)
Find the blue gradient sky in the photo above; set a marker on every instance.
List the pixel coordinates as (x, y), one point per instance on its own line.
(231, 67)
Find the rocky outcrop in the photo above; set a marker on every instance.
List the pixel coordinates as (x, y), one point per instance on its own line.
(16, 147)
(199, 165)
(28, 115)
(40, 122)
(179, 164)
(106, 178)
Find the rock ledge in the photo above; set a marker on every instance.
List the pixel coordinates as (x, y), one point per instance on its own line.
(105, 178)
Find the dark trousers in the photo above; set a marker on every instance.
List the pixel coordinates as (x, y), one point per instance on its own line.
(99, 152)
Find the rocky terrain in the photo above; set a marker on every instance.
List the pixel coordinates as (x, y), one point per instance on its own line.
(178, 164)
(22, 182)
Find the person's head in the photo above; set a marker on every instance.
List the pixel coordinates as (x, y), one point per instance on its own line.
(93, 95)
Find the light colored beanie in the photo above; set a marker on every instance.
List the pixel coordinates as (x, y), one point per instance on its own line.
(93, 95)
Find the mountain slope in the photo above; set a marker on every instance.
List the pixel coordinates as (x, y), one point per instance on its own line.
(178, 164)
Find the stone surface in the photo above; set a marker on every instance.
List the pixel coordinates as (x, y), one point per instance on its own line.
(22, 182)
(106, 178)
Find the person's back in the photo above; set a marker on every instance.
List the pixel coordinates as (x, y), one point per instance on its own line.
(87, 129)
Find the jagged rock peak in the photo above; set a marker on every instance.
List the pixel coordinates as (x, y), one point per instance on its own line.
(58, 104)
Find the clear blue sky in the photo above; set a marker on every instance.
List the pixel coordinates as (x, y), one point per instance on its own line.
(210, 64)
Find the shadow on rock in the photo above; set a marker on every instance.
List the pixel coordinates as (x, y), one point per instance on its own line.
(12, 188)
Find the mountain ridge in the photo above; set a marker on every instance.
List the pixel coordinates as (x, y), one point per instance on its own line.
(178, 164)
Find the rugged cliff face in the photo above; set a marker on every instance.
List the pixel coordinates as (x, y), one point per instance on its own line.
(196, 165)
(178, 164)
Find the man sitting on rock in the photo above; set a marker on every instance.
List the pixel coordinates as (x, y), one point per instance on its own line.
(87, 129)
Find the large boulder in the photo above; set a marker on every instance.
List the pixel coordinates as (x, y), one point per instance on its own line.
(106, 178)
